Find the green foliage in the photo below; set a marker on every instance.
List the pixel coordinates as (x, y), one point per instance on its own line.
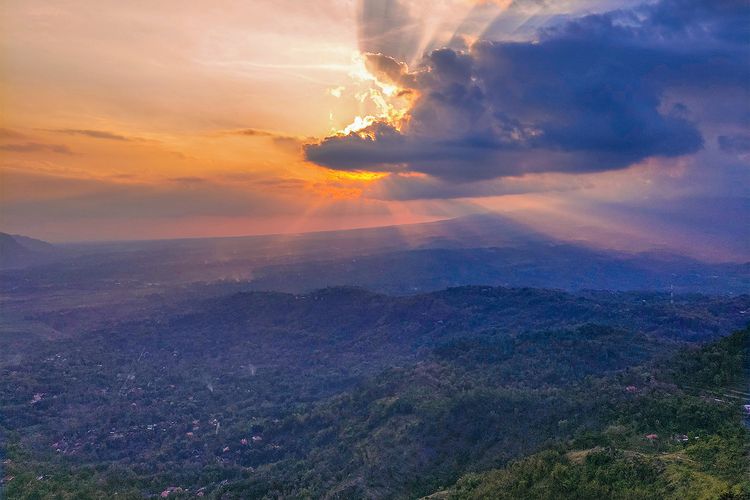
(712, 463)
(357, 395)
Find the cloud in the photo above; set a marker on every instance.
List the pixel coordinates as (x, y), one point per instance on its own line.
(6, 133)
(738, 144)
(95, 134)
(251, 132)
(385, 68)
(591, 94)
(286, 142)
(36, 147)
(188, 180)
(701, 20)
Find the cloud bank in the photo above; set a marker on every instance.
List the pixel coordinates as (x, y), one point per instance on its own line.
(595, 93)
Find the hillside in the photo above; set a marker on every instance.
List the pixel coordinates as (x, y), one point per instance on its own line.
(340, 392)
(679, 436)
(20, 251)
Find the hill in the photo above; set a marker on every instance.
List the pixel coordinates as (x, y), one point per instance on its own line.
(341, 392)
(20, 251)
(682, 436)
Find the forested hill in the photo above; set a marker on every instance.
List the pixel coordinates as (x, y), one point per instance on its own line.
(352, 311)
(682, 434)
(341, 393)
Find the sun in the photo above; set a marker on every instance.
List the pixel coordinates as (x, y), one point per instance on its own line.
(360, 175)
(389, 102)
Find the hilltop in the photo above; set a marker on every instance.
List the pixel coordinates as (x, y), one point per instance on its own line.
(21, 251)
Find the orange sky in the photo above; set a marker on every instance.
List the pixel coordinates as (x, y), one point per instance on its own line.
(194, 111)
(142, 119)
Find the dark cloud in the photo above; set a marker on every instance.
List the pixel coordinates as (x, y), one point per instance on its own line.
(702, 21)
(734, 143)
(36, 147)
(589, 95)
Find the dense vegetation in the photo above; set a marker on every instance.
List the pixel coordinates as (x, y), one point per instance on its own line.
(349, 394)
(681, 437)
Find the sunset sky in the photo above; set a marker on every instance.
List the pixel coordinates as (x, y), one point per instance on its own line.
(625, 123)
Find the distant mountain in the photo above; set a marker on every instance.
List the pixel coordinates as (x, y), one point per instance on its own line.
(473, 250)
(538, 264)
(21, 251)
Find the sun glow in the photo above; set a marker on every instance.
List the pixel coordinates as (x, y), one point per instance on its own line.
(387, 102)
(358, 124)
(339, 185)
(360, 175)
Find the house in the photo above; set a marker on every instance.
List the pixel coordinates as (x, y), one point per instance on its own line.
(652, 437)
(631, 389)
(170, 490)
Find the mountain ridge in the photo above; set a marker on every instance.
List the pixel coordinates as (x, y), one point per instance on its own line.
(17, 251)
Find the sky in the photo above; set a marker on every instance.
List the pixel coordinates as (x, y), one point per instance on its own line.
(623, 123)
